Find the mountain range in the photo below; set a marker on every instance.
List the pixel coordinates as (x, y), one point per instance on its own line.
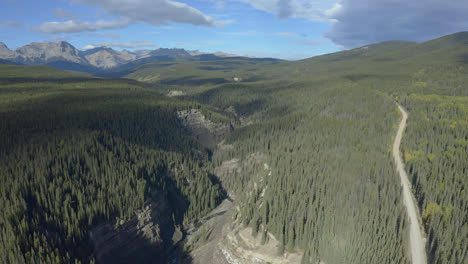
(65, 56)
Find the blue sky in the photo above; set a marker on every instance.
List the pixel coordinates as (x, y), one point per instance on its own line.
(289, 29)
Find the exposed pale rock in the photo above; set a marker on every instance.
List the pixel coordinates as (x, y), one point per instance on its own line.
(204, 130)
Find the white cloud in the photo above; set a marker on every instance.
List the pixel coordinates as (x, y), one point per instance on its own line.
(152, 12)
(59, 39)
(167, 27)
(313, 10)
(88, 47)
(73, 26)
(218, 3)
(10, 24)
(285, 34)
(135, 44)
(312, 42)
(227, 22)
(62, 13)
(105, 35)
(334, 11)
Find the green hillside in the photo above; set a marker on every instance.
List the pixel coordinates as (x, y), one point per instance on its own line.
(8, 71)
(312, 138)
(325, 126)
(78, 151)
(195, 76)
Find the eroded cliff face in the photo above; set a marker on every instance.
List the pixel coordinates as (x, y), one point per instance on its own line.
(240, 247)
(221, 238)
(204, 130)
(148, 237)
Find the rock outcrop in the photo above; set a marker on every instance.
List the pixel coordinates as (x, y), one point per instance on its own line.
(148, 237)
(239, 246)
(108, 58)
(6, 53)
(42, 53)
(221, 240)
(204, 130)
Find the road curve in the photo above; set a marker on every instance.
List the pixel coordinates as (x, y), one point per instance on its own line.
(417, 240)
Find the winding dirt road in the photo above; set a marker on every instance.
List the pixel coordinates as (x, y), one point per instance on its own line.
(417, 240)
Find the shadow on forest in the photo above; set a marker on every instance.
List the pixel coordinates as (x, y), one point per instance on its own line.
(17, 80)
(194, 81)
(464, 59)
(155, 127)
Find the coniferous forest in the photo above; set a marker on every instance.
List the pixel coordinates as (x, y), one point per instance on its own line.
(78, 152)
(312, 140)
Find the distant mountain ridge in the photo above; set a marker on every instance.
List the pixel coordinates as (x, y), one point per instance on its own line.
(218, 53)
(38, 53)
(65, 56)
(103, 57)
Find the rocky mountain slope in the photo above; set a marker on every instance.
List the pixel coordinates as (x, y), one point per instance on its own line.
(42, 53)
(65, 56)
(103, 57)
(6, 53)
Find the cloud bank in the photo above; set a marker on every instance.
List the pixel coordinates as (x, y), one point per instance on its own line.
(362, 22)
(313, 10)
(152, 12)
(74, 26)
(352, 23)
(134, 44)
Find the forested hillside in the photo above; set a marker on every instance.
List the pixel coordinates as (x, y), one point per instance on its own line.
(325, 126)
(436, 154)
(311, 147)
(431, 84)
(79, 151)
(332, 182)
